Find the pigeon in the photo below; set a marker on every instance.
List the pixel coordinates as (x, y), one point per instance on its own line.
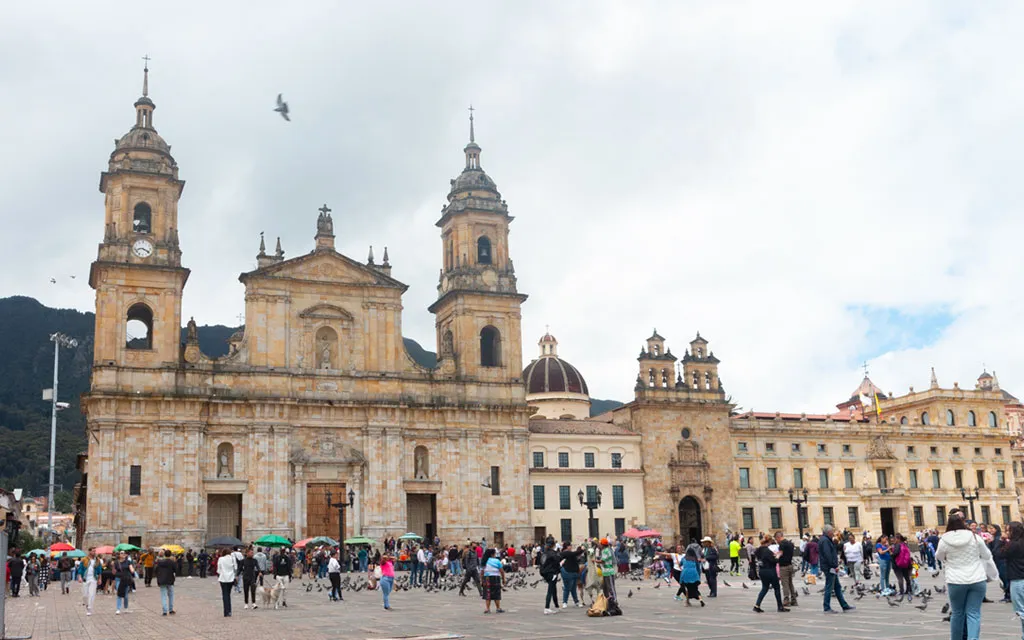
(745, 586)
(921, 607)
(657, 585)
(892, 604)
(630, 594)
(934, 575)
(940, 589)
(806, 591)
(725, 582)
(282, 108)
(945, 608)
(53, 280)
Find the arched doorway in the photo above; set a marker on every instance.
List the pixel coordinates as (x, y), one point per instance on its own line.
(689, 520)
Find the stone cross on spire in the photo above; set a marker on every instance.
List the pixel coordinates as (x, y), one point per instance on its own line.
(324, 230)
(472, 134)
(145, 75)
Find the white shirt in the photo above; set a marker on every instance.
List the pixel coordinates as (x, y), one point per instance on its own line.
(333, 566)
(964, 557)
(421, 556)
(854, 552)
(226, 568)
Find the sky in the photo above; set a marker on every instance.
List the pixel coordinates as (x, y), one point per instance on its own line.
(811, 185)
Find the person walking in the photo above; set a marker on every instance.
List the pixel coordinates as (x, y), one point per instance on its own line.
(768, 561)
(16, 566)
(471, 570)
(204, 563)
(1011, 552)
(165, 569)
(125, 581)
(237, 555)
(786, 568)
(902, 561)
(262, 563)
(710, 565)
(689, 577)
(854, 552)
(813, 557)
(734, 555)
(43, 577)
(570, 572)
(828, 561)
(89, 570)
(334, 574)
(550, 565)
(226, 573)
(387, 578)
(494, 575)
(147, 560)
(968, 564)
(66, 567)
(282, 573)
(250, 574)
(32, 576)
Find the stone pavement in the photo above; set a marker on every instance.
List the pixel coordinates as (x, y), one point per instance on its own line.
(650, 613)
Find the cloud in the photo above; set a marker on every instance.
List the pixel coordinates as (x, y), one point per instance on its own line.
(799, 182)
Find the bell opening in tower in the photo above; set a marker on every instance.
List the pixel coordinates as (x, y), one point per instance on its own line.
(490, 347)
(142, 218)
(139, 327)
(483, 250)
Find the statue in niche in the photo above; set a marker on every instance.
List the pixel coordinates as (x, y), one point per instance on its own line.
(421, 463)
(225, 455)
(325, 353)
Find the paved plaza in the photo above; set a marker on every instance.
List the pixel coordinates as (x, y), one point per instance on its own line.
(650, 613)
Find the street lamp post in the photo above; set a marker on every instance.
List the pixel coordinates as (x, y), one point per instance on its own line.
(340, 506)
(585, 501)
(799, 502)
(59, 340)
(970, 498)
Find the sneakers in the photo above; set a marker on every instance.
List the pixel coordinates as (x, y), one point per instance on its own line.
(247, 606)
(117, 613)
(548, 611)
(758, 609)
(164, 613)
(253, 606)
(578, 605)
(172, 610)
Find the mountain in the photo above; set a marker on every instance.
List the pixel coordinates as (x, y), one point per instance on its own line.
(26, 368)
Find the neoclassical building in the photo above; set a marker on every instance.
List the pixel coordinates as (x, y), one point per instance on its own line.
(317, 396)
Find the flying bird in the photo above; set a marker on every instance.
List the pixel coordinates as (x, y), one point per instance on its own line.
(53, 280)
(282, 108)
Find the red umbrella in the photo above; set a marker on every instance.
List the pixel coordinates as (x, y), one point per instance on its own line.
(101, 551)
(61, 546)
(642, 533)
(302, 543)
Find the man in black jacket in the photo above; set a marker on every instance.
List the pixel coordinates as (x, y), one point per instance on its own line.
(17, 567)
(165, 568)
(282, 574)
(828, 560)
(786, 550)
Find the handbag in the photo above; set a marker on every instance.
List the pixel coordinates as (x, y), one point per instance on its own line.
(377, 573)
(705, 565)
(991, 571)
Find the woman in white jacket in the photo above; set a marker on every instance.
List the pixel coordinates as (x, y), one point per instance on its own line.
(966, 559)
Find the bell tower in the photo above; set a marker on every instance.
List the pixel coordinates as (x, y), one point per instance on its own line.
(478, 307)
(137, 274)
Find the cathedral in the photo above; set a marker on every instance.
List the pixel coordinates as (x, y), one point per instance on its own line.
(318, 404)
(319, 422)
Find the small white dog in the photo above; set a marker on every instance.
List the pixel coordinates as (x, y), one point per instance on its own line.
(270, 595)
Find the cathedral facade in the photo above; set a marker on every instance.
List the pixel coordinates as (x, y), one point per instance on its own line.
(318, 402)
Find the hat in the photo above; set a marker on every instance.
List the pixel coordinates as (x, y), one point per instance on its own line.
(706, 539)
(604, 541)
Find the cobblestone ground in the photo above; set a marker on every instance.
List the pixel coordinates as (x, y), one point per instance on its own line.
(650, 613)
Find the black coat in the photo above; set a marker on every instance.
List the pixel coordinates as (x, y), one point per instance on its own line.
(165, 570)
(1012, 553)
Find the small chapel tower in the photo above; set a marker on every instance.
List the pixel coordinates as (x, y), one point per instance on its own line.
(137, 274)
(478, 306)
(657, 364)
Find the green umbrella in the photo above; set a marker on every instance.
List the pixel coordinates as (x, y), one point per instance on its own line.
(77, 553)
(410, 536)
(331, 542)
(274, 541)
(360, 540)
(37, 552)
(124, 546)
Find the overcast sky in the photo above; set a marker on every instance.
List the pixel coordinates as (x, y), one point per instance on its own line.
(810, 185)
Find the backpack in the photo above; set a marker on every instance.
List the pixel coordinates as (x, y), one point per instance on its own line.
(613, 608)
(903, 557)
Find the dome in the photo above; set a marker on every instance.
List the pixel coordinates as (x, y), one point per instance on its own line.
(551, 374)
(473, 180)
(142, 139)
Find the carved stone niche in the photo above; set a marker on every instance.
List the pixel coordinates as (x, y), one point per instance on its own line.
(689, 466)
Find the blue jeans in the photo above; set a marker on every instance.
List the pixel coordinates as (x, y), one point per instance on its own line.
(456, 567)
(363, 564)
(416, 575)
(386, 584)
(884, 566)
(832, 587)
(122, 602)
(167, 597)
(1017, 595)
(569, 586)
(965, 602)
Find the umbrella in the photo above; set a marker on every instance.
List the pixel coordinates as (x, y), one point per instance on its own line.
(410, 536)
(61, 546)
(37, 552)
(302, 543)
(224, 541)
(274, 541)
(75, 553)
(324, 540)
(360, 540)
(124, 546)
(176, 549)
(104, 550)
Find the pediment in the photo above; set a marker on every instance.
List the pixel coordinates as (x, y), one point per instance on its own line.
(326, 266)
(326, 312)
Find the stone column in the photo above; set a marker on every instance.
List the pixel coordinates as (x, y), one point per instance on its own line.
(298, 511)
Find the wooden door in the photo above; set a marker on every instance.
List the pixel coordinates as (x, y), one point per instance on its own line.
(223, 515)
(322, 520)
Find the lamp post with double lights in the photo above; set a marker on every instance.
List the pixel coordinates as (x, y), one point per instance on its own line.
(585, 501)
(795, 498)
(970, 498)
(340, 506)
(59, 340)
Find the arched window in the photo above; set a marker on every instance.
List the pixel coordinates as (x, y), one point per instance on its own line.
(950, 418)
(490, 347)
(142, 220)
(972, 420)
(696, 380)
(925, 419)
(483, 250)
(664, 377)
(656, 351)
(650, 377)
(225, 460)
(700, 352)
(421, 463)
(707, 380)
(993, 421)
(448, 343)
(903, 420)
(139, 327)
(326, 356)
